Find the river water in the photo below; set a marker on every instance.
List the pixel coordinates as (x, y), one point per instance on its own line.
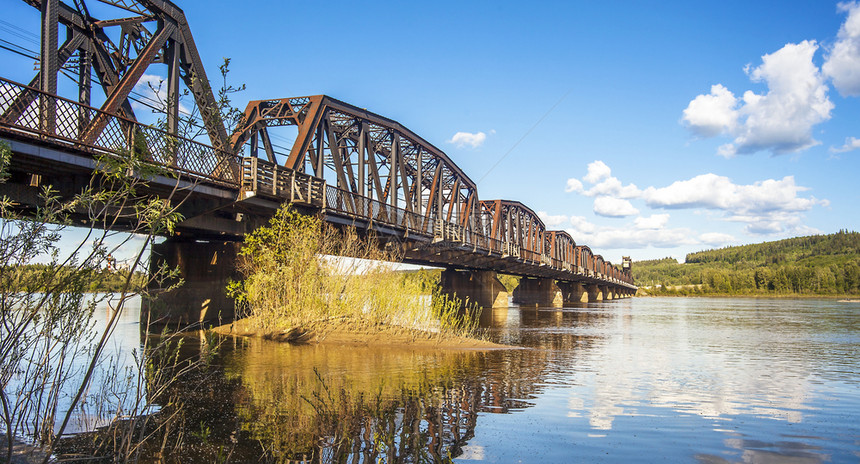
(705, 380)
(637, 380)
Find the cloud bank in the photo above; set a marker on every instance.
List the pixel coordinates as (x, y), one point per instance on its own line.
(765, 207)
(780, 120)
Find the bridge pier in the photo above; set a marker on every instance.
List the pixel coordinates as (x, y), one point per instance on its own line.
(572, 292)
(594, 293)
(607, 292)
(535, 291)
(205, 268)
(481, 287)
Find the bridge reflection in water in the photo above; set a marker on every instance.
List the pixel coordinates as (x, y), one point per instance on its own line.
(337, 404)
(324, 403)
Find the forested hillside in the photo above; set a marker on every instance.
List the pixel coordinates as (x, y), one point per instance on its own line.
(814, 265)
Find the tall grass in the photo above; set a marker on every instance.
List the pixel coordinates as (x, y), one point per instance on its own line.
(303, 273)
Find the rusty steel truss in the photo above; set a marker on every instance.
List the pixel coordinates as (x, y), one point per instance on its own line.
(371, 159)
(354, 166)
(379, 172)
(156, 32)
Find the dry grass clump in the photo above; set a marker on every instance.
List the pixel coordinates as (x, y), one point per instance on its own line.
(302, 275)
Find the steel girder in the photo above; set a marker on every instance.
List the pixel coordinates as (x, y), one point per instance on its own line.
(365, 154)
(585, 257)
(119, 67)
(514, 223)
(562, 247)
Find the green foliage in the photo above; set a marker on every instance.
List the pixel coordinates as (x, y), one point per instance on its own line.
(814, 265)
(509, 281)
(50, 348)
(296, 276)
(426, 280)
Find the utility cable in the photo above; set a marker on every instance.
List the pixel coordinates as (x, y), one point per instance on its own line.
(524, 136)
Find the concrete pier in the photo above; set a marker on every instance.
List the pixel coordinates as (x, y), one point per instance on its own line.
(572, 292)
(594, 293)
(607, 292)
(535, 291)
(481, 287)
(205, 268)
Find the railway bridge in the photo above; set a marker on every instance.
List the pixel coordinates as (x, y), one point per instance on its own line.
(354, 167)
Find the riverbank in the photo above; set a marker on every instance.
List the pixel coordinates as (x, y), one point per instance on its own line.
(346, 331)
(784, 296)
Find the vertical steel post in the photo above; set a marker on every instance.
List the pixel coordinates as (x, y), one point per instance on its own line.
(49, 65)
(84, 86)
(171, 57)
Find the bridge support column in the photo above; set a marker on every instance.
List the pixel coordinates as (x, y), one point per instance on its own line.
(594, 293)
(481, 287)
(537, 292)
(607, 292)
(572, 292)
(205, 268)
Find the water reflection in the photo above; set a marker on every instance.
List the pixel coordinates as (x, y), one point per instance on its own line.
(333, 404)
(706, 379)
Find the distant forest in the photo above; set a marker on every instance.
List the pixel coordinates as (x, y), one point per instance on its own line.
(39, 277)
(814, 265)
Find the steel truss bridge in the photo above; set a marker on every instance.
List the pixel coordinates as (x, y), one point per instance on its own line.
(353, 166)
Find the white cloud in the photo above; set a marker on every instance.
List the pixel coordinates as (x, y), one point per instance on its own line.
(461, 139)
(597, 170)
(581, 225)
(613, 207)
(628, 238)
(552, 221)
(719, 192)
(716, 238)
(780, 120)
(573, 185)
(842, 64)
(712, 114)
(605, 184)
(851, 143)
(767, 206)
(655, 221)
(612, 187)
(774, 223)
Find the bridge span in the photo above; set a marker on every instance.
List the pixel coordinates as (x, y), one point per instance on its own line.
(352, 166)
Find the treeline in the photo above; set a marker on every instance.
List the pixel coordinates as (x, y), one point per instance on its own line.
(814, 265)
(40, 277)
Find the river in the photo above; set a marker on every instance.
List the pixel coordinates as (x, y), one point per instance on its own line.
(708, 380)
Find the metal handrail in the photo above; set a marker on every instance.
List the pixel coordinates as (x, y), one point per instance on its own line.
(25, 111)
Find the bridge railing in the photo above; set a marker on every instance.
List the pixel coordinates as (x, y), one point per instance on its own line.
(31, 113)
(359, 207)
(271, 180)
(362, 208)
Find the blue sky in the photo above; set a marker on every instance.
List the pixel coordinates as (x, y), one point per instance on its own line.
(647, 130)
